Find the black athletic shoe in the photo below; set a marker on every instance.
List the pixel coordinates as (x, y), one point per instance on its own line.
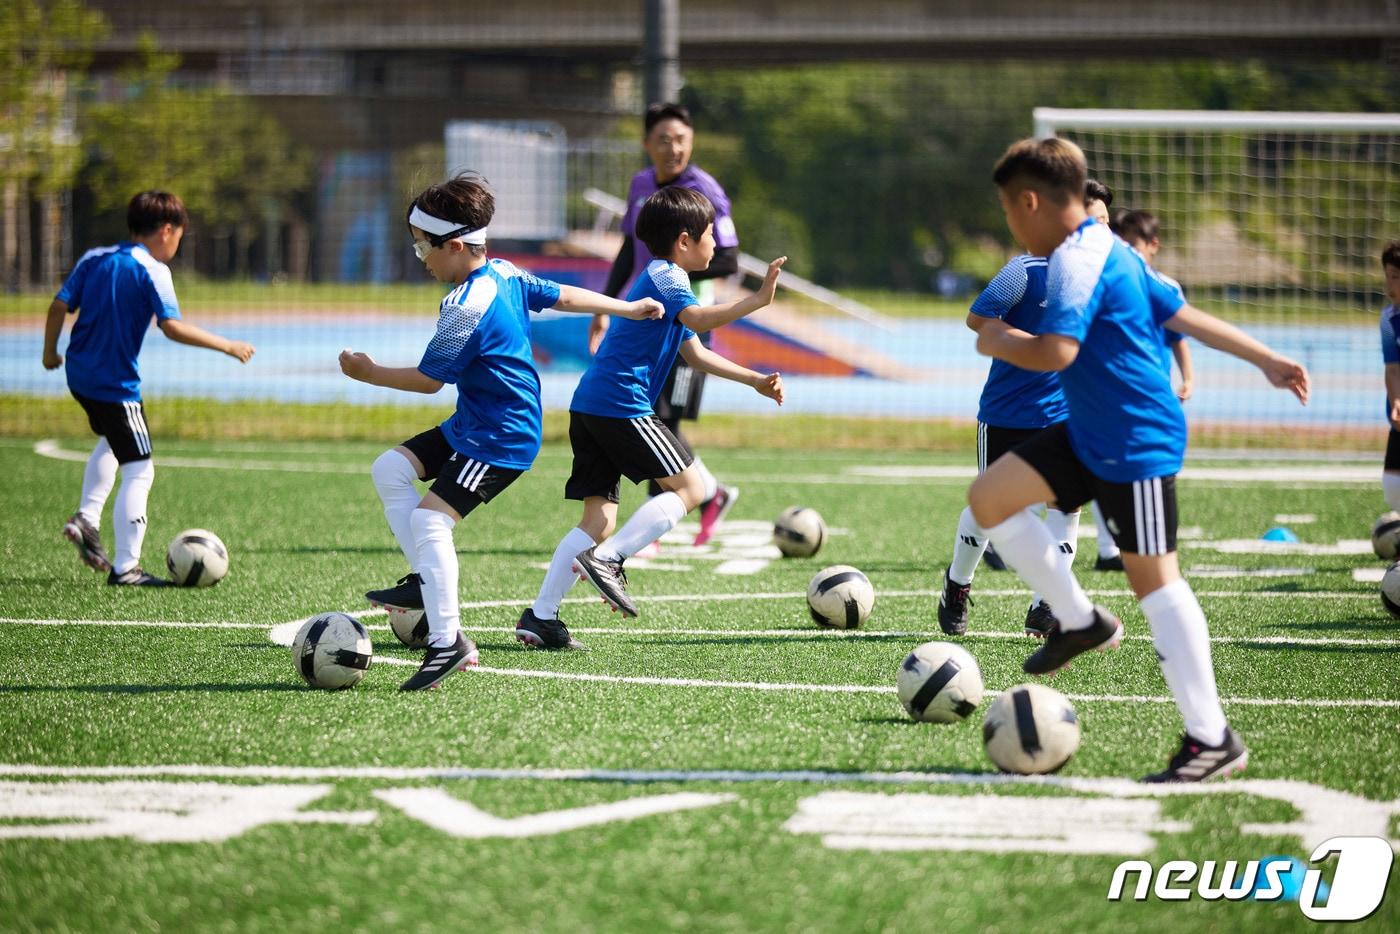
(84, 537)
(135, 578)
(952, 606)
(1197, 762)
(1039, 620)
(609, 578)
(439, 663)
(1062, 645)
(1108, 564)
(993, 560)
(545, 633)
(407, 594)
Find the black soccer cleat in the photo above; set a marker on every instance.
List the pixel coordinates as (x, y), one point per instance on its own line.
(439, 663)
(993, 560)
(407, 594)
(545, 633)
(1114, 563)
(136, 578)
(1197, 762)
(84, 537)
(1040, 620)
(952, 606)
(1062, 645)
(609, 578)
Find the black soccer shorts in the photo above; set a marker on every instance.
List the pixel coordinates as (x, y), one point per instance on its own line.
(608, 449)
(1392, 451)
(680, 397)
(993, 442)
(123, 424)
(1141, 515)
(458, 480)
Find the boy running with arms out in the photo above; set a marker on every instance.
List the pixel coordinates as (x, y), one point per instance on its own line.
(116, 290)
(1122, 444)
(482, 345)
(613, 426)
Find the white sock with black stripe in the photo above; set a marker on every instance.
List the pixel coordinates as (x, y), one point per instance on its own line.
(393, 477)
(560, 577)
(437, 566)
(653, 519)
(129, 513)
(1108, 548)
(1064, 527)
(1182, 639)
(968, 549)
(99, 476)
(1031, 551)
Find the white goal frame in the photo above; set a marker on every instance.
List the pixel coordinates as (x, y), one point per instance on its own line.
(1050, 119)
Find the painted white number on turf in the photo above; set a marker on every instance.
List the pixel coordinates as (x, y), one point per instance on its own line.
(158, 812)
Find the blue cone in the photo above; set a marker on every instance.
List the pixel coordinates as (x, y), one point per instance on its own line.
(1280, 533)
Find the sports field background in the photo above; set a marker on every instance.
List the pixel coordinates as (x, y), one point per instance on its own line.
(1304, 653)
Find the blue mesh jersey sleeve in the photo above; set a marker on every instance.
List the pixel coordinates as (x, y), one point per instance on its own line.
(1074, 276)
(1004, 292)
(539, 293)
(1164, 295)
(1390, 352)
(673, 285)
(458, 317)
(71, 294)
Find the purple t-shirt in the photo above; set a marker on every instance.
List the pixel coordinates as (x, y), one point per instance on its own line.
(644, 185)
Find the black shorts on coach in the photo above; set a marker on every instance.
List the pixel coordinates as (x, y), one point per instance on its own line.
(458, 480)
(123, 424)
(608, 449)
(1141, 515)
(680, 397)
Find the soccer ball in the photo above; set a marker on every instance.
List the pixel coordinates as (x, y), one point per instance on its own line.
(840, 597)
(799, 532)
(197, 558)
(1390, 589)
(1385, 536)
(411, 626)
(1030, 730)
(939, 682)
(332, 651)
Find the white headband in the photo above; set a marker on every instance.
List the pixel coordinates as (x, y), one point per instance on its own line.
(440, 228)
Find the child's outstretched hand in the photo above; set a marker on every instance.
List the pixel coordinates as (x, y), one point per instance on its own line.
(1288, 374)
(645, 309)
(356, 365)
(240, 351)
(770, 280)
(771, 386)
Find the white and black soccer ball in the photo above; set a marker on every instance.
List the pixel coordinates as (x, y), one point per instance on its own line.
(332, 651)
(840, 597)
(411, 626)
(196, 558)
(1030, 730)
(799, 532)
(1390, 589)
(1385, 536)
(939, 682)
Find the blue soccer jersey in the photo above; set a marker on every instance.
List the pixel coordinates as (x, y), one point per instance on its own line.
(630, 369)
(1390, 334)
(482, 346)
(116, 290)
(1013, 397)
(1125, 422)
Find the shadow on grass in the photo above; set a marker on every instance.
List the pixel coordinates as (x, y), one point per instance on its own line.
(244, 688)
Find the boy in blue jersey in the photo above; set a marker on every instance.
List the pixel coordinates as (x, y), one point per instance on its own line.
(116, 290)
(1122, 444)
(613, 426)
(1015, 405)
(1390, 354)
(482, 345)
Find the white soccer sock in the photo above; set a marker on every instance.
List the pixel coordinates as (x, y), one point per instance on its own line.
(1065, 528)
(560, 576)
(653, 519)
(1108, 548)
(708, 479)
(1183, 649)
(99, 476)
(129, 513)
(393, 477)
(968, 549)
(1032, 552)
(1390, 483)
(437, 565)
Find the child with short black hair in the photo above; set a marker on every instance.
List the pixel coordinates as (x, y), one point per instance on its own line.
(116, 291)
(613, 426)
(482, 345)
(1390, 354)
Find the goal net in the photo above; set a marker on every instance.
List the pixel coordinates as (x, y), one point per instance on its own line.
(1274, 221)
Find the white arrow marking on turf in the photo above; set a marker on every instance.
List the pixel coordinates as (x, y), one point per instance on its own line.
(458, 818)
